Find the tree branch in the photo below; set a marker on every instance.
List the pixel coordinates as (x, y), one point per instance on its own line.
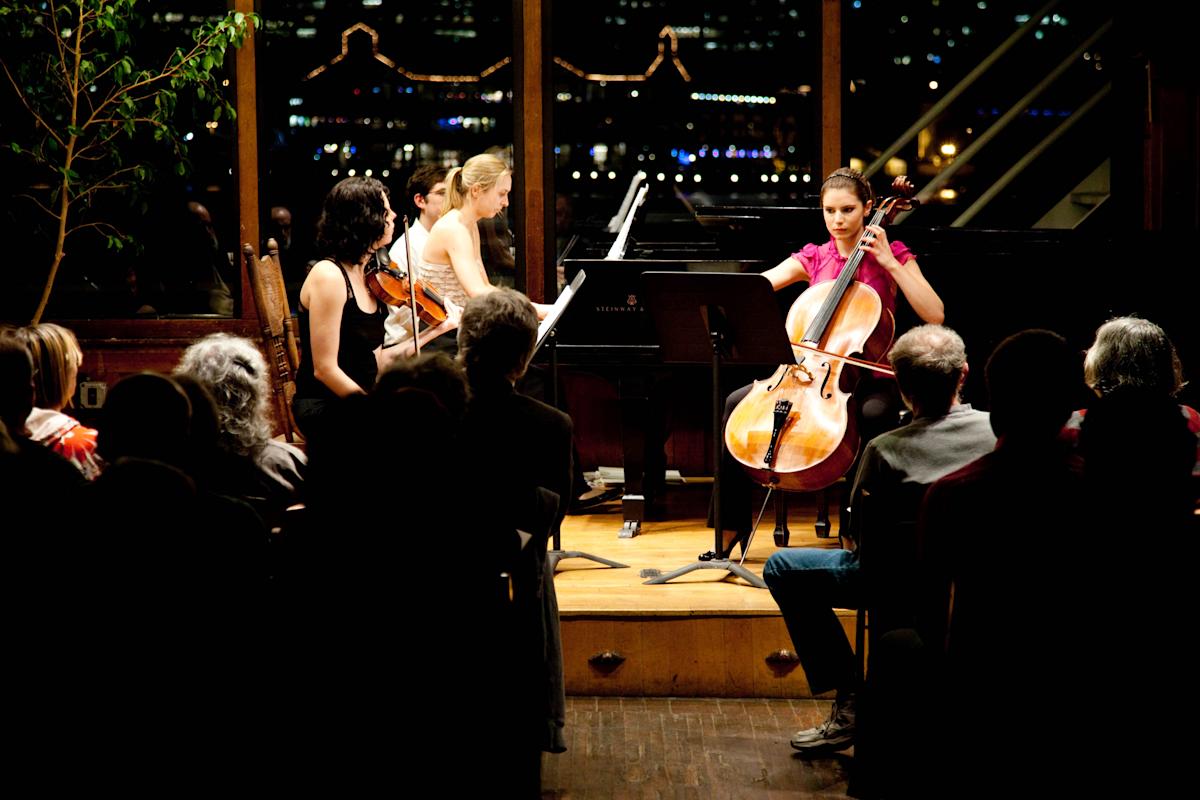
(62, 54)
(167, 72)
(39, 204)
(29, 108)
(97, 226)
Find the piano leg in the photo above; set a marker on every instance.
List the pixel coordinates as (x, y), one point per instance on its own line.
(638, 435)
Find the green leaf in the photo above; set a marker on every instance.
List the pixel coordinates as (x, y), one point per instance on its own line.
(16, 148)
(180, 168)
(207, 62)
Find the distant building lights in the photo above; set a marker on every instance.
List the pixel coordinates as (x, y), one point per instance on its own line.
(948, 149)
(947, 194)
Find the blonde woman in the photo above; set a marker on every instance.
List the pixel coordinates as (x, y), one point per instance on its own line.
(56, 359)
(452, 260)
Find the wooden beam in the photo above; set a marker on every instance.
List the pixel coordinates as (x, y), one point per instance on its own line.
(831, 86)
(246, 101)
(532, 149)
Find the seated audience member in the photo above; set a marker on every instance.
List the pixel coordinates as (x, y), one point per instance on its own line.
(520, 444)
(1132, 354)
(148, 427)
(234, 372)
(807, 583)
(57, 357)
(990, 608)
(35, 482)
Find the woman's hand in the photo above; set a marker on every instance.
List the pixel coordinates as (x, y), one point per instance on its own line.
(880, 248)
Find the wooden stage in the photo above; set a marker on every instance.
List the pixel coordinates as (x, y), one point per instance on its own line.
(705, 635)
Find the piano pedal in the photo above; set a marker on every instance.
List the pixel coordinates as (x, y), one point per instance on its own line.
(630, 529)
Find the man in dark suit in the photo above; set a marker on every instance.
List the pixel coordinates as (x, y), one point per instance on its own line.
(521, 450)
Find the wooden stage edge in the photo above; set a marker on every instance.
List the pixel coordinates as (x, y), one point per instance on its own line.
(705, 635)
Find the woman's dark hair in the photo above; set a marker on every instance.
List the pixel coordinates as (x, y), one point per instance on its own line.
(852, 181)
(352, 219)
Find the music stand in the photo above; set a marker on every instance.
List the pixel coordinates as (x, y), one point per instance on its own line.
(718, 318)
(547, 336)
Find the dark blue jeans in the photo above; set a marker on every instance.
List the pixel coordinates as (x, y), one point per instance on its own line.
(808, 583)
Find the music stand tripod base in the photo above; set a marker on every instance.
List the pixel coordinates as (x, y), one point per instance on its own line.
(726, 564)
(555, 556)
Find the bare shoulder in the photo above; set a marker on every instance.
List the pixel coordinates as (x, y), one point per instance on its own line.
(325, 280)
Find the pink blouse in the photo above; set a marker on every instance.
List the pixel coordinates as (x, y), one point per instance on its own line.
(824, 263)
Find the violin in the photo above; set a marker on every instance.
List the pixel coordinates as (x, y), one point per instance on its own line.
(798, 429)
(392, 286)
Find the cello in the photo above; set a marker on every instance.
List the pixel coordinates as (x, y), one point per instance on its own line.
(798, 429)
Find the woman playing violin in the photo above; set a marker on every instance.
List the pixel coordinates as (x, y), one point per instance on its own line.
(341, 323)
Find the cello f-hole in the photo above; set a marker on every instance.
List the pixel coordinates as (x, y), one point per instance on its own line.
(825, 381)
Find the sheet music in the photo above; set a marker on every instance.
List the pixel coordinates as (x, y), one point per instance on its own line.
(556, 310)
(617, 250)
(614, 224)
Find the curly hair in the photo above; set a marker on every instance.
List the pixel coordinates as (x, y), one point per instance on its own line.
(929, 361)
(52, 348)
(1133, 353)
(234, 372)
(353, 217)
(852, 181)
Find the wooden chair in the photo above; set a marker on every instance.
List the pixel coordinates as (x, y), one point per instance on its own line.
(278, 331)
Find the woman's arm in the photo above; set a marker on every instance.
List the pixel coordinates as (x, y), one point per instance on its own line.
(324, 294)
(920, 295)
(463, 254)
(787, 272)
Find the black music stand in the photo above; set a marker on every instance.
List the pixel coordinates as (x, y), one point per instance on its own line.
(547, 336)
(717, 318)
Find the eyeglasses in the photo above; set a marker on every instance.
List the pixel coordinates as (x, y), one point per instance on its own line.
(436, 191)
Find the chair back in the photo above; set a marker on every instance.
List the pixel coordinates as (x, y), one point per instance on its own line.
(278, 331)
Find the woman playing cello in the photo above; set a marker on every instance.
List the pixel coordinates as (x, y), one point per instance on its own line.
(887, 267)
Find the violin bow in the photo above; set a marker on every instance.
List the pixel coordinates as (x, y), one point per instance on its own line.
(412, 290)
